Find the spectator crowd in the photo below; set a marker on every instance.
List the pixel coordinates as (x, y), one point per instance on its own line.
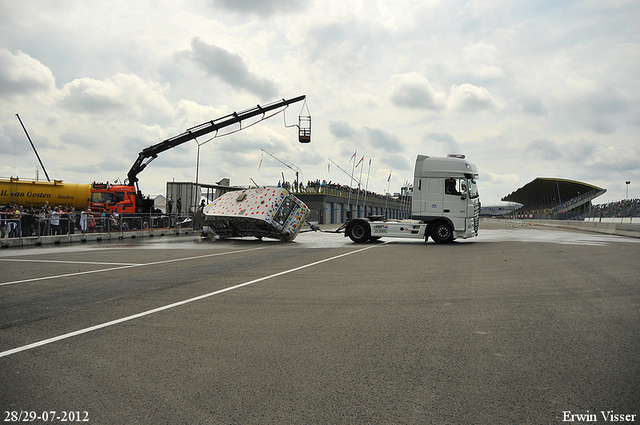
(624, 208)
(314, 186)
(17, 221)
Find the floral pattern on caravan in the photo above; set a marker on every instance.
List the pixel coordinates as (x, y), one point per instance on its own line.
(274, 206)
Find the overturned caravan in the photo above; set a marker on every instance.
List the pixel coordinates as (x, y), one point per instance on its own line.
(270, 212)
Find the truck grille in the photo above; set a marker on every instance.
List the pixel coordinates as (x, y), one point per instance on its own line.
(476, 218)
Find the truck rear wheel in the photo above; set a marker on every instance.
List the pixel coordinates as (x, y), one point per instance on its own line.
(441, 232)
(359, 232)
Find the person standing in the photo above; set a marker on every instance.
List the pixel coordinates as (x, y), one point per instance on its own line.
(91, 221)
(169, 204)
(84, 218)
(25, 222)
(179, 204)
(11, 223)
(64, 221)
(47, 214)
(3, 222)
(72, 220)
(55, 221)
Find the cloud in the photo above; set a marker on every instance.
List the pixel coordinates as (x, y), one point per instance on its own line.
(579, 151)
(13, 139)
(532, 106)
(511, 180)
(119, 94)
(601, 125)
(12, 143)
(22, 74)
(261, 7)
(341, 129)
(470, 99)
(383, 140)
(601, 106)
(481, 58)
(397, 162)
(228, 67)
(445, 139)
(544, 149)
(413, 91)
(345, 45)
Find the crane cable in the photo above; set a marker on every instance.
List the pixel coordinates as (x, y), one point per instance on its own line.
(264, 117)
(304, 105)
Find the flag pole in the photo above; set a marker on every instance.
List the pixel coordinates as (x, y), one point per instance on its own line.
(386, 200)
(351, 183)
(359, 183)
(366, 188)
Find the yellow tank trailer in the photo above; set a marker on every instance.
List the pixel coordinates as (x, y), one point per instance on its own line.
(33, 194)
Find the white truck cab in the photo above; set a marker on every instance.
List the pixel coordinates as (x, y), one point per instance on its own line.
(445, 204)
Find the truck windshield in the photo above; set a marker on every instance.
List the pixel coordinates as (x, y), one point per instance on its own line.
(101, 198)
(473, 189)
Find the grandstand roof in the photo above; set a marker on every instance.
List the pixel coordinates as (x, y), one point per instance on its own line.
(544, 190)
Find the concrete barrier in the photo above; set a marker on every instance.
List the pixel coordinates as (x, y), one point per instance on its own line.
(90, 237)
(621, 229)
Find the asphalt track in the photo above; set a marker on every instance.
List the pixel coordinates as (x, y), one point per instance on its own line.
(521, 325)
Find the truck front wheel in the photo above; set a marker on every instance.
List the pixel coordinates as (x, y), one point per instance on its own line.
(359, 232)
(441, 232)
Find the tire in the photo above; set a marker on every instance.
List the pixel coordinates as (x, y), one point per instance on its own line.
(359, 232)
(145, 223)
(441, 232)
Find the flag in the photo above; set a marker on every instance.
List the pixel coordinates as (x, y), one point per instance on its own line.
(353, 156)
(328, 168)
(260, 164)
(361, 159)
(389, 179)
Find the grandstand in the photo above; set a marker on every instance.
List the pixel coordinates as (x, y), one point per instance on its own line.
(554, 198)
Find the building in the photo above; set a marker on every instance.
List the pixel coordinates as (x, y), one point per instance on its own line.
(554, 198)
(334, 205)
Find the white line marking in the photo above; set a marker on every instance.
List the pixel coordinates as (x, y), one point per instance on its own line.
(68, 262)
(176, 304)
(124, 267)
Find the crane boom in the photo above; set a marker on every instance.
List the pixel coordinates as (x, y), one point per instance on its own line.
(287, 164)
(150, 153)
(283, 162)
(34, 148)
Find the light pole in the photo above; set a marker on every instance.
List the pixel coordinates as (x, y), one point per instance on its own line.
(628, 182)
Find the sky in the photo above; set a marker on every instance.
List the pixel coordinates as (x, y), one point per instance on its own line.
(525, 89)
